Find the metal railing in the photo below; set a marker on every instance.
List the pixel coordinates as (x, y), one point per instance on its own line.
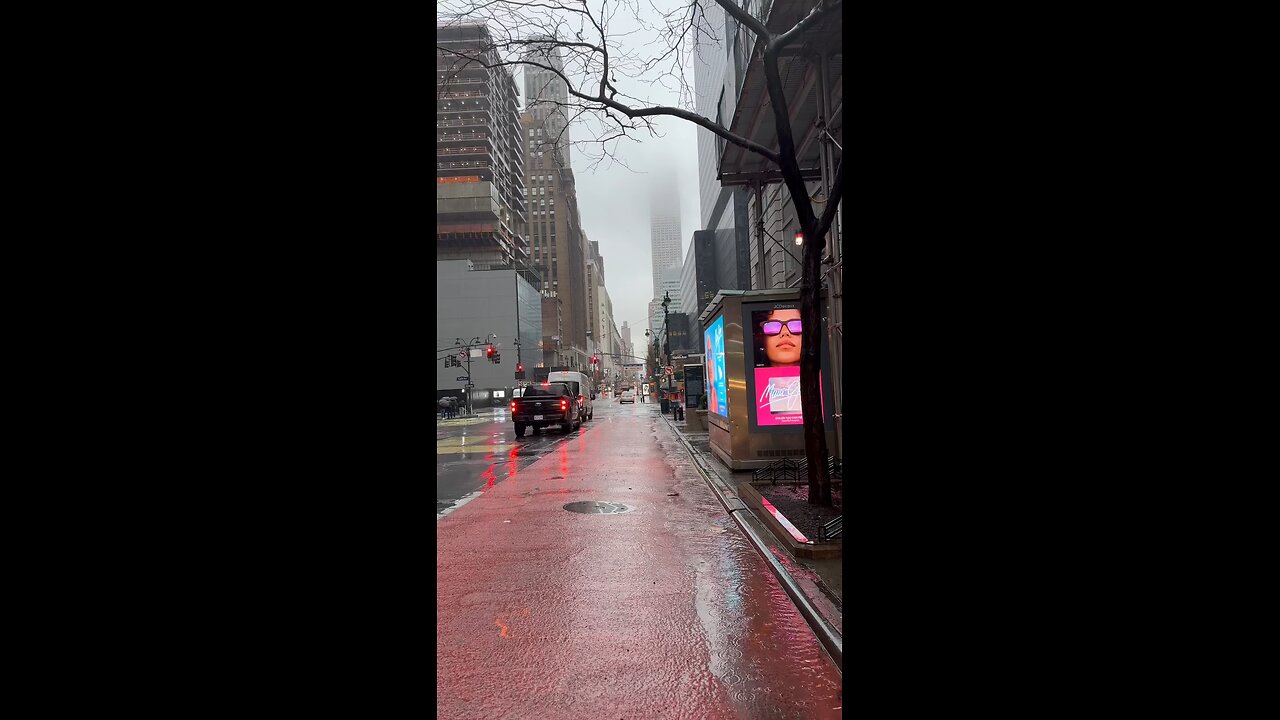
(787, 470)
(833, 530)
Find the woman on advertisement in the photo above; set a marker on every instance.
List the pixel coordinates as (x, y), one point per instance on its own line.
(779, 337)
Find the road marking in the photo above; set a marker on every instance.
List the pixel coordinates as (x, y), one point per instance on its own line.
(462, 501)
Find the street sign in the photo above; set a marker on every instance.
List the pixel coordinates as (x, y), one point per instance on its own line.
(464, 379)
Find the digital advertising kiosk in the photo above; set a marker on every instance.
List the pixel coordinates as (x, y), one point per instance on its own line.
(752, 340)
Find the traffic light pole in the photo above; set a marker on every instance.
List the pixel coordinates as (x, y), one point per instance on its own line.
(469, 383)
(466, 348)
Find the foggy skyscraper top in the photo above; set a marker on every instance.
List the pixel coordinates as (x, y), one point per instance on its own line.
(664, 226)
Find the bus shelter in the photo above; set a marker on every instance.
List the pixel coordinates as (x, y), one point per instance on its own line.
(752, 341)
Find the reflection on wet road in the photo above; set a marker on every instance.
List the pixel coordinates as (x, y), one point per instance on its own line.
(478, 453)
(663, 611)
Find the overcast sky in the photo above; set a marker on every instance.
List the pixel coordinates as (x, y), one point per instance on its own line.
(614, 200)
(615, 211)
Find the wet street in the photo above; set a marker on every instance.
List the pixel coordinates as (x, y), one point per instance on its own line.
(473, 454)
(649, 605)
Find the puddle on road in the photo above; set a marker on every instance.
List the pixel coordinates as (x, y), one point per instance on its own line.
(761, 651)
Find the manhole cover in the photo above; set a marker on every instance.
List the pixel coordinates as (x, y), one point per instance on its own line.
(595, 507)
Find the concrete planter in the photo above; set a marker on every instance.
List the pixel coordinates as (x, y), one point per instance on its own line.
(813, 550)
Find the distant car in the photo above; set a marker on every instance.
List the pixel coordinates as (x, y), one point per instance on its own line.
(627, 396)
(551, 403)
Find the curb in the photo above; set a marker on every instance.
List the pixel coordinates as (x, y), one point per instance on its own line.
(827, 635)
(773, 519)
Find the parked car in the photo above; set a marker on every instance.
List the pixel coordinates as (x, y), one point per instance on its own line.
(551, 403)
(627, 396)
(581, 387)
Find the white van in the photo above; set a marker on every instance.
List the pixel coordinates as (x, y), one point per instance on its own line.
(580, 384)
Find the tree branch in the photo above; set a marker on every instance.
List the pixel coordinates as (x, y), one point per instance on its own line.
(786, 143)
(629, 111)
(745, 18)
(815, 15)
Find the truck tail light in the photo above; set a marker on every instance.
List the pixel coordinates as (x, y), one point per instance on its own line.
(513, 406)
(564, 404)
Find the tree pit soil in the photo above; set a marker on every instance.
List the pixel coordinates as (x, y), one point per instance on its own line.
(793, 502)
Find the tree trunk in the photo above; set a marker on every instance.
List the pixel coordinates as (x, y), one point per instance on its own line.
(815, 436)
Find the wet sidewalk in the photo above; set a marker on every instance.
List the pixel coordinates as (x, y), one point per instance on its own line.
(821, 581)
(660, 610)
(479, 416)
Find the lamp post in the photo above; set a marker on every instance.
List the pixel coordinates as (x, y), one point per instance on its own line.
(666, 335)
(657, 358)
(666, 346)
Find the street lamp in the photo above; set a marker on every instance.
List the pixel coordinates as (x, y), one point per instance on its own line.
(666, 342)
(666, 334)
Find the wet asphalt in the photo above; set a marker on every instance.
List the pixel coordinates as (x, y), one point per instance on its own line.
(473, 454)
(663, 610)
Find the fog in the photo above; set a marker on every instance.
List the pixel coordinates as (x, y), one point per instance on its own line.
(613, 179)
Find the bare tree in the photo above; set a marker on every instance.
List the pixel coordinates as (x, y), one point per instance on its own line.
(592, 57)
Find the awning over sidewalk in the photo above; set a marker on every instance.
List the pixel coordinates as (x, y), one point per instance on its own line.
(753, 117)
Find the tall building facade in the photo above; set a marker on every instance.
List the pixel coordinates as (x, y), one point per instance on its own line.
(815, 99)
(546, 96)
(688, 278)
(473, 303)
(664, 230)
(480, 195)
(558, 248)
(670, 285)
(626, 341)
(719, 69)
(596, 336)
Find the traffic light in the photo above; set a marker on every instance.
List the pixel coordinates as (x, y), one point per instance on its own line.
(489, 353)
(519, 367)
(497, 358)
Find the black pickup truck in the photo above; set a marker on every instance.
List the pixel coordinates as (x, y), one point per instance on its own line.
(546, 404)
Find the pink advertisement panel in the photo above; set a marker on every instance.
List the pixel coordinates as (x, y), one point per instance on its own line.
(778, 396)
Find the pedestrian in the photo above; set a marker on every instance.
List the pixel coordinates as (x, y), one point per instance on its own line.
(444, 408)
(451, 407)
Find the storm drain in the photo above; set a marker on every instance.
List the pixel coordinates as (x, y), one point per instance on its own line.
(595, 507)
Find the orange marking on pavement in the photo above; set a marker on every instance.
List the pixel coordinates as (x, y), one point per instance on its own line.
(502, 625)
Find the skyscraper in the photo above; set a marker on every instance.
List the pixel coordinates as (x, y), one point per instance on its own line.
(545, 98)
(670, 287)
(718, 72)
(480, 196)
(557, 246)
(664, 230)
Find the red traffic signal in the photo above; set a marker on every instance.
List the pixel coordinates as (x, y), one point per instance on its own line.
(519, 367)
(489, 351)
